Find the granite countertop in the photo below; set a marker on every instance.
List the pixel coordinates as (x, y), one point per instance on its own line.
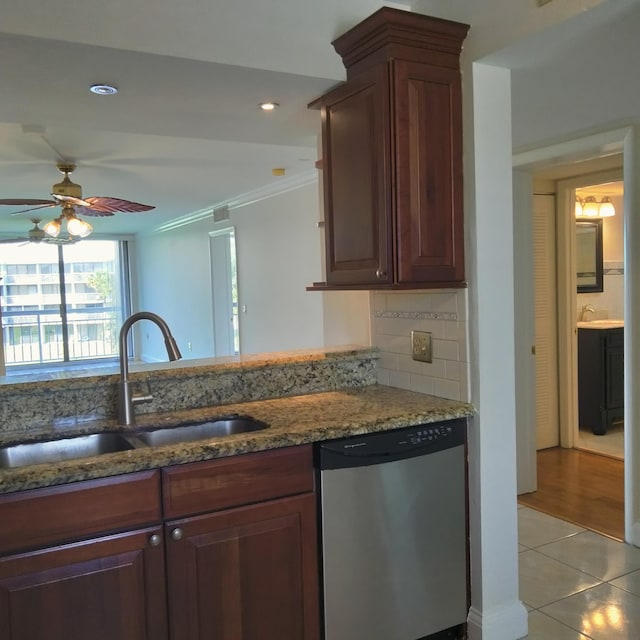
(293, 421)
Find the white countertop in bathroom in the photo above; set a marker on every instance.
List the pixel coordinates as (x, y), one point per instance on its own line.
(601, 324)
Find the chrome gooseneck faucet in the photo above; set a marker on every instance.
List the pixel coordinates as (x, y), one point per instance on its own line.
(126, 398)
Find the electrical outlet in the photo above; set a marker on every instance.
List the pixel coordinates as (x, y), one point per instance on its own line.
(421, 346)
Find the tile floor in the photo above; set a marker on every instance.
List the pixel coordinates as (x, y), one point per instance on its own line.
(576, 584)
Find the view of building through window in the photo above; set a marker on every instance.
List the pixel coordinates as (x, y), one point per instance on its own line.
(62, 303)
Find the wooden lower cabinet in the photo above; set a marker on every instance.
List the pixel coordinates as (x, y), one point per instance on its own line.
(99, 589)
(233, 556)
(245, 574)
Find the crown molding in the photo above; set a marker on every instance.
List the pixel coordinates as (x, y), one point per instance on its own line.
(272, 190)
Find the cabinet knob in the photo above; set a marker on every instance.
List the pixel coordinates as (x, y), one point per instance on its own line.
(380, 273)
(176, 534)
(155, 540)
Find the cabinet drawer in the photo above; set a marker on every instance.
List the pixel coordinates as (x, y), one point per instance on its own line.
(40, 517)
(228, 482)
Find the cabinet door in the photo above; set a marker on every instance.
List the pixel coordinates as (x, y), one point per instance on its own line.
(245, 574)
(110, 588)
(615, 378)
(357, 190)
(428, 162)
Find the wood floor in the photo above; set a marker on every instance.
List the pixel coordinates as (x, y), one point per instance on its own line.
(583, 488)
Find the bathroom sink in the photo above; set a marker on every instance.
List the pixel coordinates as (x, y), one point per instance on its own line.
(21, 455)
(607, 323)
(192, 432)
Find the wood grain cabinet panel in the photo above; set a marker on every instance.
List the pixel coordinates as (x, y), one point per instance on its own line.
(40, 517)
(246, 569)
(245, 574)
(392, 155)
(102, 589)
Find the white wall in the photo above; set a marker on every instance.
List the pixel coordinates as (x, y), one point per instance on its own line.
(174, 280)
(278, 251)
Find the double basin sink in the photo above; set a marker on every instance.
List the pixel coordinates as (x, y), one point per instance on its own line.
(21, 455)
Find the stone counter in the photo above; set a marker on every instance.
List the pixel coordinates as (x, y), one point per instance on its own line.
(54, 404)
(293, 420)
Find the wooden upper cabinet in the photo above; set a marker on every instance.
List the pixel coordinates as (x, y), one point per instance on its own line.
(356, 140)
(392, 155)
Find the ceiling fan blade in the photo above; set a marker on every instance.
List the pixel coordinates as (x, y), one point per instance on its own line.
(23, 202)
(103, 205)
(60, 199)
(42, 206)
(13, 240)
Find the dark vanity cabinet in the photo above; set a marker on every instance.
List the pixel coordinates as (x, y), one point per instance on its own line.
(600, 378)
(392, 155)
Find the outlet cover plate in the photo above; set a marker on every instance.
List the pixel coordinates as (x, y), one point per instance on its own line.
(421, 346)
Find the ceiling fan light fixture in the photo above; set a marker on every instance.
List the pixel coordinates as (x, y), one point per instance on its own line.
(52, 228)
(103, 89)
(78, 228)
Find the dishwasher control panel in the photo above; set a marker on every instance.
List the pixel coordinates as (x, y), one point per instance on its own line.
(373, 448)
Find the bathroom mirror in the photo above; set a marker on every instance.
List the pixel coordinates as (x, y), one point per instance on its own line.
(589, 256)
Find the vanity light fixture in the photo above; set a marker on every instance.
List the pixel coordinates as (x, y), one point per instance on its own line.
(590, 207)
(103, 89)
(268, 106)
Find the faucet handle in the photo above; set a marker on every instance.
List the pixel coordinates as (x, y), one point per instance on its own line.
(138, 398)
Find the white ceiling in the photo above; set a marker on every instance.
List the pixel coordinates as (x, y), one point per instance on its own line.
(184, 132)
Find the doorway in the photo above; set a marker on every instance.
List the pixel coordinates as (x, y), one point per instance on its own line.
(569, 313)
(569, 453)
(224, 293)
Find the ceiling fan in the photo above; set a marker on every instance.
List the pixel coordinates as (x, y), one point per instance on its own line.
(68, 195)
(37, 235)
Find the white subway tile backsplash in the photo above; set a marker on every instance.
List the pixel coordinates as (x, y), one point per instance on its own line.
(443, 314)
(389, 361)
(400, 379)
(446, 350)
(446, 389)
(444, 302)
(452, 370)
(422, 384)
(383, 377)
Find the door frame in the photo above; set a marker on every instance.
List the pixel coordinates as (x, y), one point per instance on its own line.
(626, 141)
(222, 301)
(567, 296)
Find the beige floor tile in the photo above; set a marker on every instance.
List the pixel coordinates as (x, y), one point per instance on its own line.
(630, 582)
(602, 613)
(544, 580)
(535, 528)
(542, 627)
(595, 554)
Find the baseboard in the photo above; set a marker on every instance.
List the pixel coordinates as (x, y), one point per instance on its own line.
(506, 622)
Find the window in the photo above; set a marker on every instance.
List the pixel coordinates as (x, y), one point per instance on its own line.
(56, 315)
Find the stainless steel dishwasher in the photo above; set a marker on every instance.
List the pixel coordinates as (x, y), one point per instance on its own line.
(394, 533)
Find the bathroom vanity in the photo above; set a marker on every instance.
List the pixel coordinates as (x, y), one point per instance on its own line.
(600, 374)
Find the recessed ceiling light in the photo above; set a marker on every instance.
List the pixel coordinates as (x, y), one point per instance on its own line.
(103, 89)
(268, 106)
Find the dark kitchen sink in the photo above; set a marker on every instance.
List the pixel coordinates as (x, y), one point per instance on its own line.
(21, 455)
(192, 432)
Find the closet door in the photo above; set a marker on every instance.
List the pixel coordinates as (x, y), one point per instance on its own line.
(546, 321)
